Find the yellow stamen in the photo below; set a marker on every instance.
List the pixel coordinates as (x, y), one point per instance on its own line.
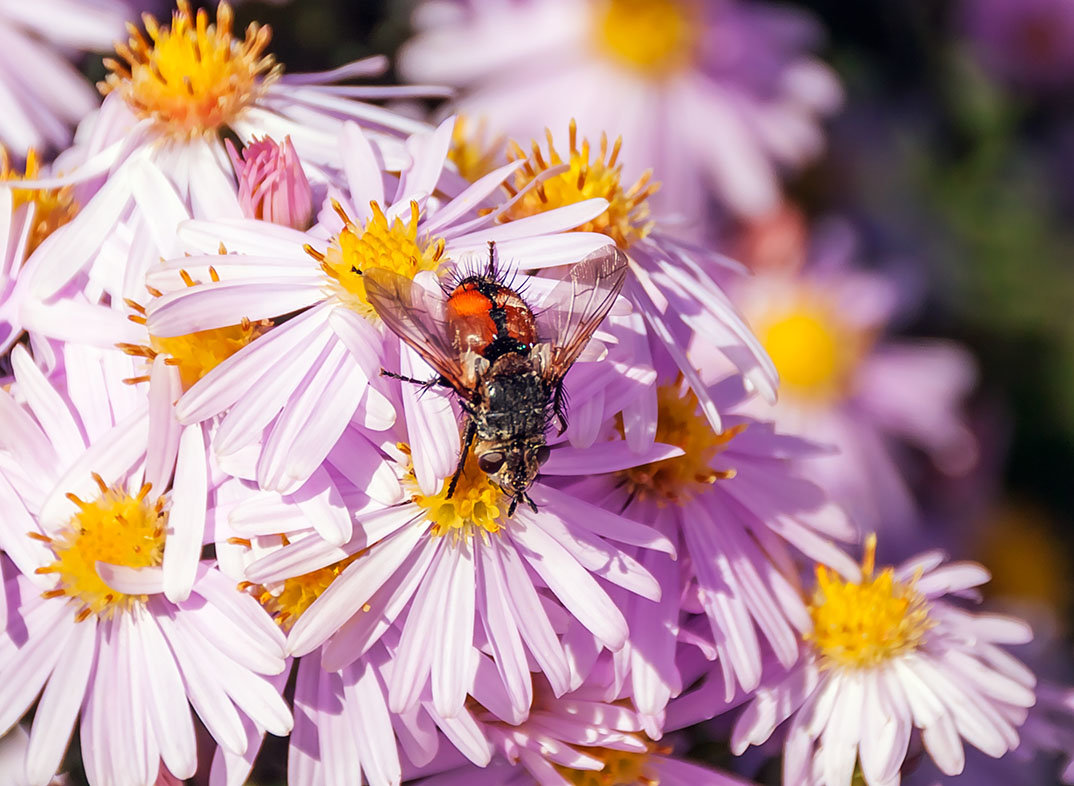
(477, 506)
(288, 600)
(814, 350)
(394, 246)
(53, 207)
(864, 624)
(655, 38)
(621, 768)
(193, 77)
(680, 422)
(590, 174)
(472, 152)
(116, 528)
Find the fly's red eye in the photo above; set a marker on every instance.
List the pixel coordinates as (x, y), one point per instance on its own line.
(543, 453)
(490, 462)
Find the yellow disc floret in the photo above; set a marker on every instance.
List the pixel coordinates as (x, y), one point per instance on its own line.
(53, 207)
(681, 423)
(116, 528)
(392, 245)
(814, 350)
(587, 176)
(194, 354)
(476, 506)
(621, 768)
(656, 38)
(287, 600)
(193, 77)
(472, 152)
(862, 624)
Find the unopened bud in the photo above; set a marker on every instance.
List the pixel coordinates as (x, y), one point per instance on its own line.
(272, 185)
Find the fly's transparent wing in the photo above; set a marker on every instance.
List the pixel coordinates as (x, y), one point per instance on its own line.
(577, 305)
(416, 315)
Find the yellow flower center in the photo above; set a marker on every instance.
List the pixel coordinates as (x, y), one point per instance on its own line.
(653, 37)
(394, 246)
(53, 207)
(681, 423)
(621, 768)
(288, 600)
(193, 77)
(476, 506)
(472, 152)
(627, 218)
(813, 350)
(115, 528)
(193, 354)
(859, 625)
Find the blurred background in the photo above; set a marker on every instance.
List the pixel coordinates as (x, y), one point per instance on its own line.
(951, 162)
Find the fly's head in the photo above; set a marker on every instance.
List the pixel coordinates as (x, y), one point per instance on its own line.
(512, 465)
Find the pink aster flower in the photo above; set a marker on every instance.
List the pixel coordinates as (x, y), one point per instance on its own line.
(178, 91)
(43, 94)
(304, 381)
(734, 502)
(90, 633)
(888, 653)
(456, 574)
(272, 185)
(712, 95)
(843, 383)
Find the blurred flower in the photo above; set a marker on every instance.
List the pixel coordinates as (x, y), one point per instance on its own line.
(1028, 43)
(843, 384)
(43, 94)
(272, 185)
(89, 629)
(886, 653)
(716, 95)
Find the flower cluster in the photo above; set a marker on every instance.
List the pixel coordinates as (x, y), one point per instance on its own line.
(453, 457)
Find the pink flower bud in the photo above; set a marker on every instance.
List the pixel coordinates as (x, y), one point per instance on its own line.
(272, 185)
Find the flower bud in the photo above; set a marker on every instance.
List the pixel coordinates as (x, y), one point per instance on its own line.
(272, 185)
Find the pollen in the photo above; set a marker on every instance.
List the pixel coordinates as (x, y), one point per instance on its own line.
(621, 768)
(53, 207)
(590, 174)
(864, 624)
(192, 77)
(287, 600)
(472, 152)
(477, 505)
(117, 528)
(656, 38)
(194, 354)
(814, 350)
(393, 245)
(681, 423)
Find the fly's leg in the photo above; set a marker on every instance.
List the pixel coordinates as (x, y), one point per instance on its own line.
(522, 497)
(425, 384)
(559, 408)
(467, 442)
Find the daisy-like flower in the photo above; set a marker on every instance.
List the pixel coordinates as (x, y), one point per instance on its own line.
(173, 93)
(90, 632)
(670, 285)
(844, 384)
(888, 653)
(465, 574)
(712, 95)
(32, 215)
(42, 93)
(302, 383)
(735, 503)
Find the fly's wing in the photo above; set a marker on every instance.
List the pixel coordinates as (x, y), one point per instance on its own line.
(578, 304)
(416, 316)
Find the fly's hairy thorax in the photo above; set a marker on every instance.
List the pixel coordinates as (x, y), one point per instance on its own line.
(515, 400)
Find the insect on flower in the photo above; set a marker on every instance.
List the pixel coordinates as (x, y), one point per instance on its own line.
(505, 361)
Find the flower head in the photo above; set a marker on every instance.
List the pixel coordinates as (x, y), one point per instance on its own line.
(272, 185)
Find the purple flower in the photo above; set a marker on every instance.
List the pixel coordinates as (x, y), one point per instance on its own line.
(717, 95)
(1028, 43)
(272, 185)
(887, 653)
